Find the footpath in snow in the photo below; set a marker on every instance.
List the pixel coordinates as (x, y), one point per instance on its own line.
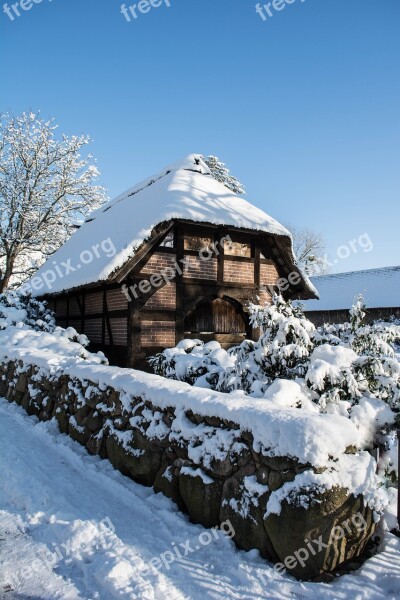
(73, 528)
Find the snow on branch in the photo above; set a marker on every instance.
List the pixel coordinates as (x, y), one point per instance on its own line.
(221, 173)
(46, 188)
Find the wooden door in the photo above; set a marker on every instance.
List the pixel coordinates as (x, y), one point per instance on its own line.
(215, 317)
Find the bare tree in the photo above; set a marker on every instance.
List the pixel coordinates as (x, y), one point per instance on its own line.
(46, 188)
(309, 248)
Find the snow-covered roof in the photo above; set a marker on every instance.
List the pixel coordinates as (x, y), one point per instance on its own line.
(185, 190)
(380, 288)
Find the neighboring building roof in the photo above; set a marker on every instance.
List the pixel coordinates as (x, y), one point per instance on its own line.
(380, 288)
(183, 191)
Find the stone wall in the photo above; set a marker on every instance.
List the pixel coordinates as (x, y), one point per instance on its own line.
(207, 465)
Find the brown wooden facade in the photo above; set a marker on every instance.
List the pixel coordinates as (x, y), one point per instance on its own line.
(206, 298)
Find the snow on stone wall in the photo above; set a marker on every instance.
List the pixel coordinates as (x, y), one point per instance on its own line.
(279, 476)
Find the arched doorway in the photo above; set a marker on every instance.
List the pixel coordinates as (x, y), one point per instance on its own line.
(217, 319)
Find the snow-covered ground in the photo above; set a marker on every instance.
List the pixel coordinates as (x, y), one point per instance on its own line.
(73, 528)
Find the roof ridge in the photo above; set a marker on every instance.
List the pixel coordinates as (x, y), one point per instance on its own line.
(345, 273)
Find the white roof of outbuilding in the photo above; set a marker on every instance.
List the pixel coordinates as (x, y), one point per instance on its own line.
(380, 288)
(185, 190)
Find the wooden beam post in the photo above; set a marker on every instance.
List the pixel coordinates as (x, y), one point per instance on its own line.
(68, 310)
(103, 321)
(108, 321)
(134, 334)
(180, 316)
(257, 266)
(221, 257)
(83, 315)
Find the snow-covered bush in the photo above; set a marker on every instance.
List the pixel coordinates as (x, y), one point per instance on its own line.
(371, 340)
(339, 363)
(331, 375)
(350, 370)
(281, 352)
(193, 361)
(27, 323)
(358, 335)
(16, 308)
(355, 360)
(286, 339)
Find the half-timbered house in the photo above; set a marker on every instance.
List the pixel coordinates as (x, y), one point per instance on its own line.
(177, 256)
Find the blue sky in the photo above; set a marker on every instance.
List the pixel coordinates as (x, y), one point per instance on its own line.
(304, 107)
